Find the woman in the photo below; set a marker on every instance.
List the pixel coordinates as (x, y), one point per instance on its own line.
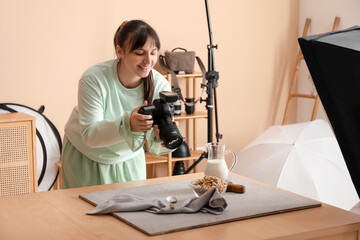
(105, 134)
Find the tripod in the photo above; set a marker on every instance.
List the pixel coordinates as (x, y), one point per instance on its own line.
(212, 82)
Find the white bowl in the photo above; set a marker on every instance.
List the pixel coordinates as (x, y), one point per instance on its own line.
(202, 185)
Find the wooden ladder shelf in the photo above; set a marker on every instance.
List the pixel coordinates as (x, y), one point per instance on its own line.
(292, 92)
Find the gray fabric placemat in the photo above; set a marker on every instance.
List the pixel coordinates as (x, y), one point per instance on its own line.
(258, 200)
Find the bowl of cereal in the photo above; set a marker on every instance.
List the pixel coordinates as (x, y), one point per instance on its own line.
(202, 185)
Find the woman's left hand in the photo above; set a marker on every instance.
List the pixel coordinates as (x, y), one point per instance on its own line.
(157, 132)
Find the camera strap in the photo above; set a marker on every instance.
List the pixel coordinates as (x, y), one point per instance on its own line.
(176, 87)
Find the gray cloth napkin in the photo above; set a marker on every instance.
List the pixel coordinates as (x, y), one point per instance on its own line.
(210, 202)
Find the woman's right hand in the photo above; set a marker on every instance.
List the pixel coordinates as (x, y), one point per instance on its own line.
(140, 122)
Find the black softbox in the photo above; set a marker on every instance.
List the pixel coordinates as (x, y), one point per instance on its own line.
(333, 60)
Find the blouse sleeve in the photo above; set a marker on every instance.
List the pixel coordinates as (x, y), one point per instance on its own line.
(155, 147)
(95, 130)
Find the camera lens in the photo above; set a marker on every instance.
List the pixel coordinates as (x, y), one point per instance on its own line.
(179, 168)
(173, 142)
(177, 107)
(189, 105)
(171, 136)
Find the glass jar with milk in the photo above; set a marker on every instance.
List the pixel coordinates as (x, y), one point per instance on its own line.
(216, 165)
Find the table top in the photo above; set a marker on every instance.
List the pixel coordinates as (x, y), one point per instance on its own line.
(60, 214)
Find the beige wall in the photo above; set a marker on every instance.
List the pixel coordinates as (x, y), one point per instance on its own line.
(46, 45)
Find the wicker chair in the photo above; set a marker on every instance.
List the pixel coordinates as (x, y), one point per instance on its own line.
(18, 172)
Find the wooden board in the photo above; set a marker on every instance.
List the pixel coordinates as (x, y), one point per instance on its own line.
(258, 200)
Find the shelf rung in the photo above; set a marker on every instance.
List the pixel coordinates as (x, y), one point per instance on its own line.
(303, 95)
(155, 161)
(196, 114)
(151, 159)
(191, 75)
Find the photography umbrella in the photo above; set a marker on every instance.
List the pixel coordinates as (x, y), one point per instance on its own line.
(333, 60)
(303, 158)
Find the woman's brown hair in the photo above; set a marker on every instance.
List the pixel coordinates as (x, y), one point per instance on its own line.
(132, 35)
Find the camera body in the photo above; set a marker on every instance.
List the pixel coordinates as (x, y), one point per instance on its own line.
(162, 112)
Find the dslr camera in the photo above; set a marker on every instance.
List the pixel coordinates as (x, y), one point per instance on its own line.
(162, 112)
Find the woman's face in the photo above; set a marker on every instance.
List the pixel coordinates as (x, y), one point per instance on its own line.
(140, 61)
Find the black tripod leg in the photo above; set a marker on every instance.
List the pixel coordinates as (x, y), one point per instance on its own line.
(203, 155)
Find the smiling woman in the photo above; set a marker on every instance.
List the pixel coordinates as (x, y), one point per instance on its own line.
(137, 46)
(139, 62)
(47, 45)
(105, 134)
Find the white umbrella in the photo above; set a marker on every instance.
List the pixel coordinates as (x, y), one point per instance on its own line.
(303, 158)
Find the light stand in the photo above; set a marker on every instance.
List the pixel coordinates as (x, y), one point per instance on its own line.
(212, 77)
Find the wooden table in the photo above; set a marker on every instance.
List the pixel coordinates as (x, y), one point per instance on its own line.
(60, 214)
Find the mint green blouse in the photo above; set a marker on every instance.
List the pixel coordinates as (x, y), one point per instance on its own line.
(99, 126)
